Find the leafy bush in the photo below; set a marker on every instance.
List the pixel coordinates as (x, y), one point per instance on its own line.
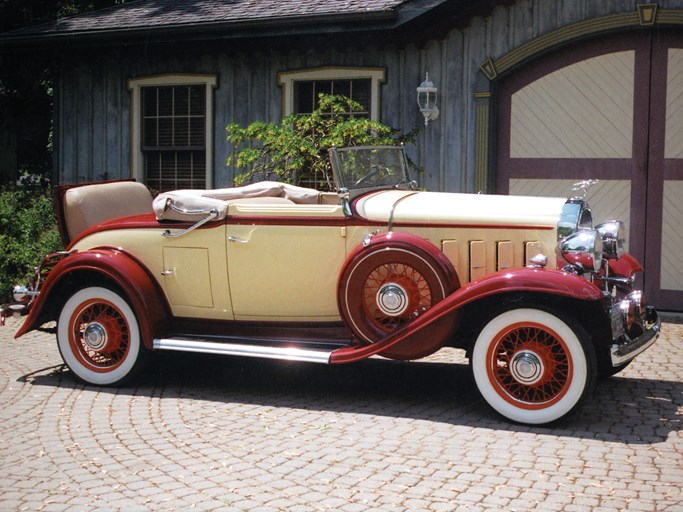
(28, 231)
(295, 151)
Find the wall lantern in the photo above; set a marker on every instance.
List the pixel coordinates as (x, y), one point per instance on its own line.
(647, 14)
(426, 100)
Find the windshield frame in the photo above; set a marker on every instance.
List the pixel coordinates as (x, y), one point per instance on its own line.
(356, 180)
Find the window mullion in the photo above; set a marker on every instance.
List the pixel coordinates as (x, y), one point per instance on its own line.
(156, 115)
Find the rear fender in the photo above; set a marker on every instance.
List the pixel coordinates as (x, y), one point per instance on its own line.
(526, 280)
(112, 265)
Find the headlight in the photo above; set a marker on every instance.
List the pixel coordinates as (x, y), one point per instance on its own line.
(613, 235)
(20, 293)
(628, 313)
(576, 215)
(639, 304)
(583, 249)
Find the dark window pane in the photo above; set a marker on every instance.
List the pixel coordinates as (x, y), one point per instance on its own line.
(303, 97)
(197, 100)
(361, 93)
(324, 87)
(197, 135)
(342, 88)
(184, 169)
(181, 136)
(165, 134)
(149, 101)
(182, 101)
(152, 169)
(149, 133)
(165, 101)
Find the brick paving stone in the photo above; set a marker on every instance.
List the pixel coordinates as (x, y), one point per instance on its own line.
(242, 435)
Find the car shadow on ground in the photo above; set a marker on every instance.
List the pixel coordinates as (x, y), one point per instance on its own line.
(626, 410)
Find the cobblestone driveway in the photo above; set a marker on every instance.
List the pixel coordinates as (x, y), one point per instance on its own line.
(213, 433)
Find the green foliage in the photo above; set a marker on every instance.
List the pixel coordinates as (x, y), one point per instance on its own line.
(28, 231)
(295, 151)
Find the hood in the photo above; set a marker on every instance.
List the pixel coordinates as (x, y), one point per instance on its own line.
(461, 209)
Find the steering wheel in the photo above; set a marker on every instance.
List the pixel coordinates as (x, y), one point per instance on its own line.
(374, 171)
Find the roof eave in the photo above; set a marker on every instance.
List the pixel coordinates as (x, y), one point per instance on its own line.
(240, 29)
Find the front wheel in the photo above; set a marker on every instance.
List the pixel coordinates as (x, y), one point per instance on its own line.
(98, 337)
(532, 366)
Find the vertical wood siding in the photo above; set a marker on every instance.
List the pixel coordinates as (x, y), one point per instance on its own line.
(94, 103)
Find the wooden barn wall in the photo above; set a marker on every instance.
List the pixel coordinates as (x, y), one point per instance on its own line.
(93, 102)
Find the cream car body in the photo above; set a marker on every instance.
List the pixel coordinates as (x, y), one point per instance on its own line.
(300, 265)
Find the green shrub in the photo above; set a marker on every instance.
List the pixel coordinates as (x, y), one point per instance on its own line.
(295, 151)
(28, 231)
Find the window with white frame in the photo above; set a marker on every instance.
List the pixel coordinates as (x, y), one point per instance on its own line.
(172, 119)
(300, 89)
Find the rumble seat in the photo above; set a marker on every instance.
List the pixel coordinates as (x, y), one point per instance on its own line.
(91, 204)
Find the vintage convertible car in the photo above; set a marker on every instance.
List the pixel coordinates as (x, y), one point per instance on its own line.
(541, 301)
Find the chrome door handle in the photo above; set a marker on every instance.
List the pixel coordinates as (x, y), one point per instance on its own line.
(237, 240)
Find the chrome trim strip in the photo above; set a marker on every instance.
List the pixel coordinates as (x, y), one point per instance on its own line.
(236, 349)
(627, 351)
(393, 209)
(211, 214)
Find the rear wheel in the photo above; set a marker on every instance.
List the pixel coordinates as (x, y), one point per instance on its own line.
(98, 337)
(532, 366)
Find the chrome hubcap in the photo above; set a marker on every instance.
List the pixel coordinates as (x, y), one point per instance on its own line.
(95, 336)
(526, 367)
(392, 299)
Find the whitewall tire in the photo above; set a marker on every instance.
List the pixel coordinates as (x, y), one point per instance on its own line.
(532, 366)
(98, 337)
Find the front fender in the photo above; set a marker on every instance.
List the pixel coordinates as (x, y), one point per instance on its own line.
(113, 265)
(625, 266)
(526, 280)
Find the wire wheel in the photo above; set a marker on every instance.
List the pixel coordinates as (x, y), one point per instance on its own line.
(384, 288)
(532, 366)
(98, 336)
(393, 294)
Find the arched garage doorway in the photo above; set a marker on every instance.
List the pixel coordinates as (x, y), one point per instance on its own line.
(610, 108)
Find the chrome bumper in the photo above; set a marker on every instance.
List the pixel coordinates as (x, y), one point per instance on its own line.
(624, 352)
(14, 309)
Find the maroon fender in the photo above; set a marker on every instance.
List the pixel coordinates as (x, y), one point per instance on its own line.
(527, 280)
(625, 266)
(140, 288)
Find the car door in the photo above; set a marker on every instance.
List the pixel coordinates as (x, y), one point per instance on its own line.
(284, 261)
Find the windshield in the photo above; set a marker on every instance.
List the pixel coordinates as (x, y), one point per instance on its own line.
(365, 167)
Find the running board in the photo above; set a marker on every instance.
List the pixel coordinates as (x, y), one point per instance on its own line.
(237, 349)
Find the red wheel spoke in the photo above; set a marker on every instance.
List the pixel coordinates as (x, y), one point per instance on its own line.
(410, 279)
(539, 345)
(111, 325)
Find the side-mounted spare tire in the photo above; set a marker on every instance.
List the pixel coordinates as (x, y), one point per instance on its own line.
(388, 282)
